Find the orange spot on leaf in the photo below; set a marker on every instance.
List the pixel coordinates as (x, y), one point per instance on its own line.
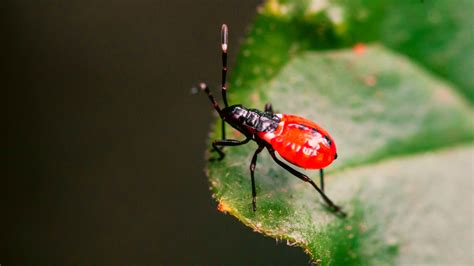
(359, 48)
(223, 207)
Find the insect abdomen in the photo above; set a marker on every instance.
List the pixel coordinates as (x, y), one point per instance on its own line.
(302, 142)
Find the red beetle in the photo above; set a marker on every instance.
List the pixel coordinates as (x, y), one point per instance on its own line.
(296, 139)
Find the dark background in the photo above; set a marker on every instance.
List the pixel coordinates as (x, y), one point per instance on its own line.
(105, 143)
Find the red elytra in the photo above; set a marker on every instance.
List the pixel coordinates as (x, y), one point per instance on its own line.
(301, 142)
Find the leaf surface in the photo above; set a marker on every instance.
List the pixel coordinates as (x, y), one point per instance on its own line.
(404, 139)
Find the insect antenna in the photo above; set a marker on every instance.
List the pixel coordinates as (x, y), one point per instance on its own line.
(224, 46)
(203, 87)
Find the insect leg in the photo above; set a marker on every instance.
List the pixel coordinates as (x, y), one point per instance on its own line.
(321, 178)
(305, 178)
(203, 87)
(223, 128)
(252, 170)
(268, 108)
(227, 142)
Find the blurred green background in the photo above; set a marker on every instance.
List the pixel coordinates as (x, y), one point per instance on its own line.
(105, 143)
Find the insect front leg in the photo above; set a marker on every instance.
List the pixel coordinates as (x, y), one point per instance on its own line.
(226, 142)
(222, 128)
(253, 164)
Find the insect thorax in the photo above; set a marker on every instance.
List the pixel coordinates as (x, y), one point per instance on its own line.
(250, 120)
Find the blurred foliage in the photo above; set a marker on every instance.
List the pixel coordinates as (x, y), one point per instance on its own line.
(390, 106)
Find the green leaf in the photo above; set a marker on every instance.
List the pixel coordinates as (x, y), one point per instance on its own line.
(436, 33)
(389, 118)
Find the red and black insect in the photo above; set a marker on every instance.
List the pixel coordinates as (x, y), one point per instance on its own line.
(296, 139)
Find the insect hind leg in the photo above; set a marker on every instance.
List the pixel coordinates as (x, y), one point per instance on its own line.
(336, 209)
(321, 178)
